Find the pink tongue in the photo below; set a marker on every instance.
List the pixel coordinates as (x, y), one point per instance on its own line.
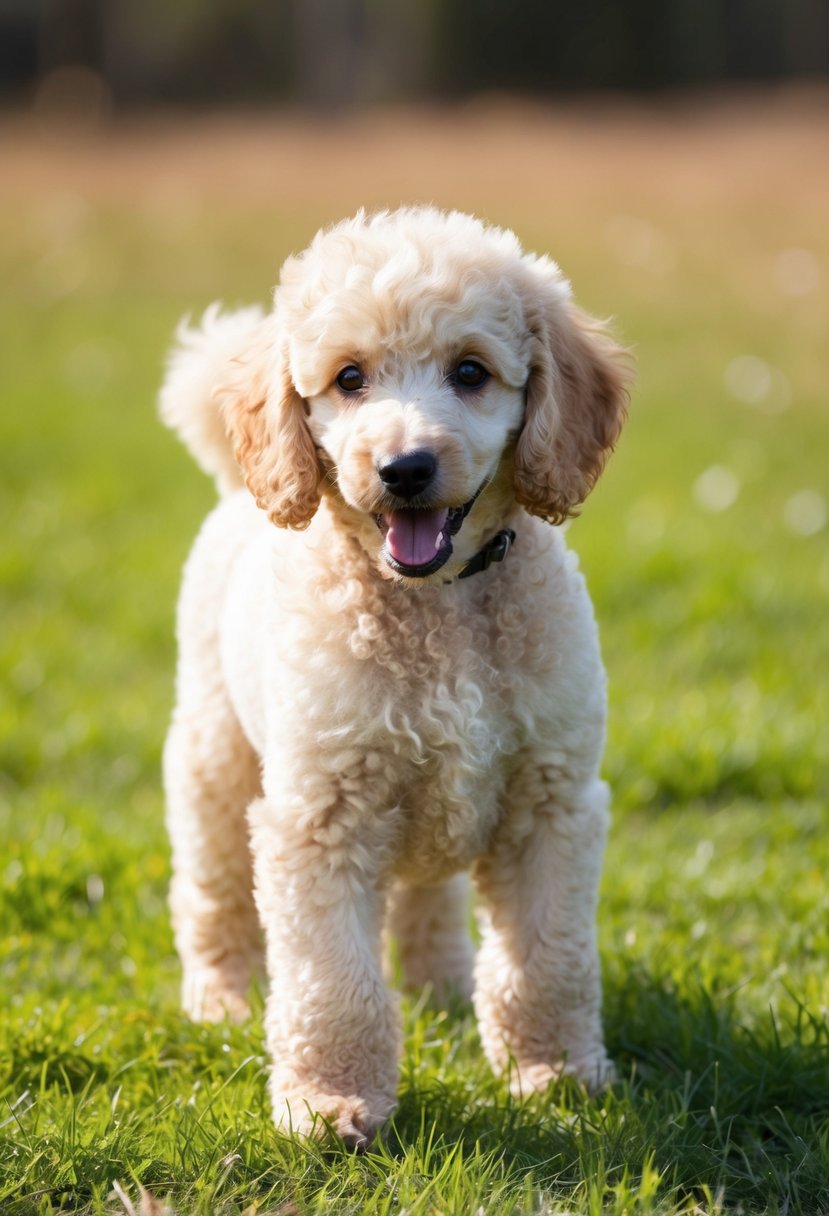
(413, 538)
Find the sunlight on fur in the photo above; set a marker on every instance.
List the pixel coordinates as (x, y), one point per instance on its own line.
(360, 722)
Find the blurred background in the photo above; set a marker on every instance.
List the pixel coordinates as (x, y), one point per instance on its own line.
(671, 155)
(344, 52)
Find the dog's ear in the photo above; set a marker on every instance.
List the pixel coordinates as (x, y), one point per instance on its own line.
(577, 397)
(266, 420)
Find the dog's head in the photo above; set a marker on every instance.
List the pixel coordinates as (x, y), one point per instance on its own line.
(424, 375)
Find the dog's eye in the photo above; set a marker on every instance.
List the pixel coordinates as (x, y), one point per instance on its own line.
(351, 379)
(470, 374)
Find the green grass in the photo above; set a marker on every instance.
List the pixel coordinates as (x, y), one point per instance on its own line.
(714, 928)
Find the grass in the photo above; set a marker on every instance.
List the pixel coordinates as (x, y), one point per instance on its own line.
(706, 550)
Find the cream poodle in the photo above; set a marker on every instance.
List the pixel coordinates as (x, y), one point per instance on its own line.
(389, 671)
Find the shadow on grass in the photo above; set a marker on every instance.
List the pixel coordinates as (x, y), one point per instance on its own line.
(709, 1109)
(714, 1105)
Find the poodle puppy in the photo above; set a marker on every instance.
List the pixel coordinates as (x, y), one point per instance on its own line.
(389, 672)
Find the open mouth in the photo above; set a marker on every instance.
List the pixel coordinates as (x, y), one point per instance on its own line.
(418, 540)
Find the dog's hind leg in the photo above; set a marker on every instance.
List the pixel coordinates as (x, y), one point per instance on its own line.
(430, 926)
(211, 774)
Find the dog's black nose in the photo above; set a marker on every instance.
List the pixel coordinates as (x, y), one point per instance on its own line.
(409, 475)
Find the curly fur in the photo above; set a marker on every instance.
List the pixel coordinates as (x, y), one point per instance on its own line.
(350, 737)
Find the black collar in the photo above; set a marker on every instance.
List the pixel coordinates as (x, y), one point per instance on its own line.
(495, 550)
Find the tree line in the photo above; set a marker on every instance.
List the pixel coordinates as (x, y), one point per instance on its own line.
(345, 52)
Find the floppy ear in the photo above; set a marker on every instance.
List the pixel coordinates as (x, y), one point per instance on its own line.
(576, 401)
(266, 421)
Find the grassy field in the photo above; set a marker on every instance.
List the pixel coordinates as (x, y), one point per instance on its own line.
(703, 231)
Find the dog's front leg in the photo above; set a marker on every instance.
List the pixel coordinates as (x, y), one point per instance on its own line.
(331, 1024)
(538, 989)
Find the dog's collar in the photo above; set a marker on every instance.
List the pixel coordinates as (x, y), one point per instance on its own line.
(495, 550)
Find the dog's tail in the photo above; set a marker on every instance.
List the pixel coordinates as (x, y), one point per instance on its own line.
(205, 359)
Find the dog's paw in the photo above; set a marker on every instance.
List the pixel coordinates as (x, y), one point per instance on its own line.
(317, 1116)
(594, 1071)
(207, 995)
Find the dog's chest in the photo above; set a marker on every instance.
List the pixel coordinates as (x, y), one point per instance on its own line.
(450, 777)
(441, 720)
(394, 716)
